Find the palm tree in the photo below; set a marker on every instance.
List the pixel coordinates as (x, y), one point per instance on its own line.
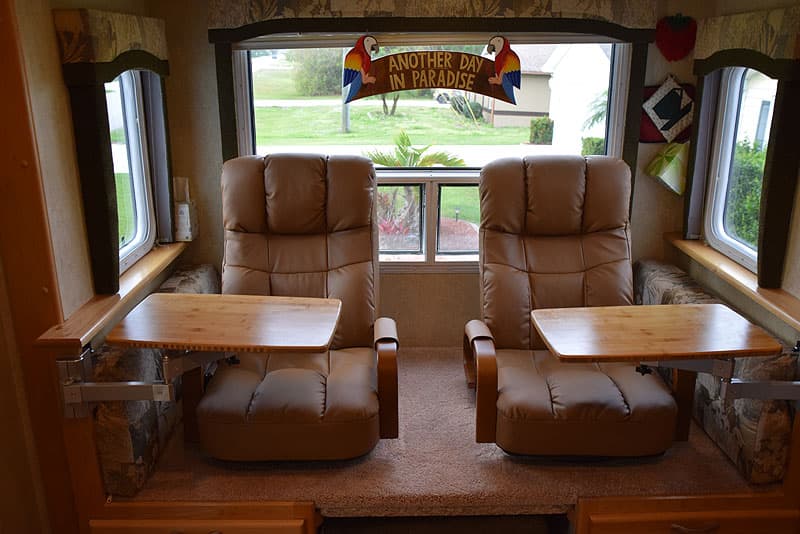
(597, 110)
(399, 214)
(406, 155)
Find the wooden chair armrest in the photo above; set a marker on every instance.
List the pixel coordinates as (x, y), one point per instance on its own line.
(387, 387)
(473, 330)
(485, 391)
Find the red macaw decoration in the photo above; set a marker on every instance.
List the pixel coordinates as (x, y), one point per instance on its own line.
(506, 66)
(356, 65)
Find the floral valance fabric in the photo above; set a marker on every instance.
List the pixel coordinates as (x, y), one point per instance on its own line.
(93, 36)
(229, 14)
(774, 33)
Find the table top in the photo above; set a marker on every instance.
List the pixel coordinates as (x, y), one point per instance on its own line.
(647, 333)
(229, 323)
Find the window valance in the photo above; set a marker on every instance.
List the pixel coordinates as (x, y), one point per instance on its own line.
(766, 40)
(101, 44)
(238, 14)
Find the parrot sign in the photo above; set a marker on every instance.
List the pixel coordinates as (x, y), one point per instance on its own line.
(357, 64)
(506, 66)
(428, 69)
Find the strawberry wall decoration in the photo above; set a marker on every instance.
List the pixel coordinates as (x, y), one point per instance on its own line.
(675, 36)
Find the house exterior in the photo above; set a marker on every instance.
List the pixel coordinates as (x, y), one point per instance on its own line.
(533, 97)
(579, 77)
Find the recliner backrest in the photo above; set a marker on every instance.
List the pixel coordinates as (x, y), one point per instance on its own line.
(304, 225)
(554, 233)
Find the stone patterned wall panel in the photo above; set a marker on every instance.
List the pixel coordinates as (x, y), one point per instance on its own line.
(754, 434)
(131, 435)
(226, 14)
(660, 283)
(199, 279)
(127, 433)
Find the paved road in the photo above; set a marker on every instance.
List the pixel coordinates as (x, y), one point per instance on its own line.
(337, 102)
(473, 155)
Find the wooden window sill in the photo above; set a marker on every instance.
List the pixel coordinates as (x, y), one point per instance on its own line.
(778, 302)
(101, 312)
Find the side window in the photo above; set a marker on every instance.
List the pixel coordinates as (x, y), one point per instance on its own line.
(400, 220)
(744, 116)
(131, 167)
(459, 218)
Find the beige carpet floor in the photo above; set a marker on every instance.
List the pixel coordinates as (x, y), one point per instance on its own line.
(436, 468)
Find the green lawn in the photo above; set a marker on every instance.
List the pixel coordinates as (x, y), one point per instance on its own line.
(465, 198)
(118, 136)
(269, 85)
(321, 125)
(125, 214)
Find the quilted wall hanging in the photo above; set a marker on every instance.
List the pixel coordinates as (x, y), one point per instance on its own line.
(667, 112)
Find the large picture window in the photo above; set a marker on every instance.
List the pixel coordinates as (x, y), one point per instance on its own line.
(434, 140)
(744, 116)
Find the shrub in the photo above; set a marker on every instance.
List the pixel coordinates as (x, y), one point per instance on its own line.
(542, 131)
(467, 108)
(744, 193)
(317, 71)
(593, 146)
(419, 93)
(398, 217)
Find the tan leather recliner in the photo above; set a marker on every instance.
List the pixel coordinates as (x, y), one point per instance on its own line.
(304, 225)
(554, 233)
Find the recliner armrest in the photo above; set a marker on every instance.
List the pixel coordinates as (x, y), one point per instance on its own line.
(473, 330)
(477, 329)
(386, 345)
(385, 330)
(480, 366)
(485, 392)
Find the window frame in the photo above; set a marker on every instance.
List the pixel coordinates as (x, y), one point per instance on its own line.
(132, 100)
(452, 255)
(422, 221)
(619, 81)
(430, 179)
(720, 161)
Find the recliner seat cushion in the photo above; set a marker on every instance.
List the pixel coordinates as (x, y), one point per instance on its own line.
(285, 406)
(548, 407)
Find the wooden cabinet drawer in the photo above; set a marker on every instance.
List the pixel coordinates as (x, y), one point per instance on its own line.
(698, 522)
(197, 526)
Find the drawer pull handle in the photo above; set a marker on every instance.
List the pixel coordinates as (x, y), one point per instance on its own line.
(680, 529)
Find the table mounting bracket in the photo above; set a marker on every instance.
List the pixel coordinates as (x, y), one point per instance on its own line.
(77, 393)
(719, 367)
(175, 363)
(734, 388)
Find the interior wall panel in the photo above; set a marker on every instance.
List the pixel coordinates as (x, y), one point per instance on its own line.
(430, 309)
(194, 119)
(656, 209)
(52, 120)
